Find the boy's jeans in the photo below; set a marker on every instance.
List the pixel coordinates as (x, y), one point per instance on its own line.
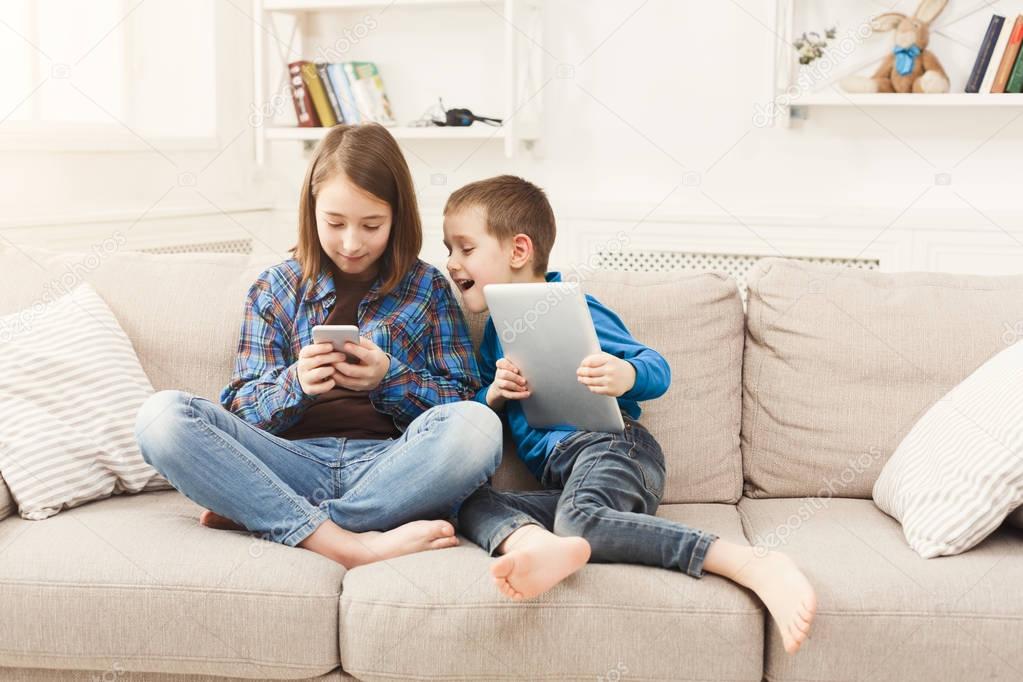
(600, 486)
(285, 489)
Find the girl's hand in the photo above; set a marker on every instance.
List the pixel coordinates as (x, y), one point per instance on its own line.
(372, 367)
(509, 384)
(316, 367)
(606, 374)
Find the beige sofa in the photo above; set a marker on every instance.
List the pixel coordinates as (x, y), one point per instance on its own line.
(775, 428)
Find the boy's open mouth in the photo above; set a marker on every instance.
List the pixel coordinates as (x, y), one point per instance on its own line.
(465, 284)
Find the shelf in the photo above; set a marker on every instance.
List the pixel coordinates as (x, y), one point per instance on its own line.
(473, 132)
(327, 5)
(887, 99)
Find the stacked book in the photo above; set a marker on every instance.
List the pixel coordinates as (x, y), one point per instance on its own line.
(999, 65)
(344, 92)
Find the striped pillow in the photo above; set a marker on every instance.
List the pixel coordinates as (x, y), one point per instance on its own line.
(70, 385)
(959, 471)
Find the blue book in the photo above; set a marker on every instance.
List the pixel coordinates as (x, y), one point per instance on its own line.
(343, 90)
(987, 49)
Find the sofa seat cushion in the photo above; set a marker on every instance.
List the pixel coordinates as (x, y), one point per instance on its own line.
(883, 611)
(438, 616)
(135, 581)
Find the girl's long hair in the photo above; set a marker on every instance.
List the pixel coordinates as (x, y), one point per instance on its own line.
(370, 157)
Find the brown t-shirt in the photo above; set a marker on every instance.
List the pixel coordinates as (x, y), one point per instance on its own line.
(341, 412)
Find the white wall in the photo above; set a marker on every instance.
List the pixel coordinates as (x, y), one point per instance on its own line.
(654, 123)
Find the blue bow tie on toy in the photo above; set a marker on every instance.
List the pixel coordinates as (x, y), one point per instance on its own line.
(905, 58)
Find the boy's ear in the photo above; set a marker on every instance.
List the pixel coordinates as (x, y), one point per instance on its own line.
(522, 251)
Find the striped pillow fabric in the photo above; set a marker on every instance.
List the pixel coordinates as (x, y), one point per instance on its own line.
(958, 473)
(70, 386)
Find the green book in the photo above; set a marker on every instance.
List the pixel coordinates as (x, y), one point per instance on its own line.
(1015, 83)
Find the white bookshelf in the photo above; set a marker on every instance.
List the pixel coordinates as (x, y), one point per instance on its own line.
(282, 32)
(955, 38)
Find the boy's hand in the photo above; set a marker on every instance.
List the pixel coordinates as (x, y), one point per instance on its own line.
(509, 384)
(605, 374)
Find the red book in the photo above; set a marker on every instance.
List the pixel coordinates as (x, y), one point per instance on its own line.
(300, 96)
(1009, 56)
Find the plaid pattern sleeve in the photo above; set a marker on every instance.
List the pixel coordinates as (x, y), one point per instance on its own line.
(264, 389)
(441, 369)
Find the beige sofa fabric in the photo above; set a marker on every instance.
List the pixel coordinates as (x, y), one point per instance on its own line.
(7, 506)
(118, 674)
(695, 321)
(884, 613)
(839, 364)
(438, 616)
(134, 580)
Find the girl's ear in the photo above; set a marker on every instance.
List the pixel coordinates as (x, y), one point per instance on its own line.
(929, 10)
(522, 251)
(887, 21)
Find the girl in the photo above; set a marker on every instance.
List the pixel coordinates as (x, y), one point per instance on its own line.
(316, 449)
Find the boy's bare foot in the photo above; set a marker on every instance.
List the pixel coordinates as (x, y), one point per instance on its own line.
(357, 549)
(776, 579)
(211, 519)
(535, 560)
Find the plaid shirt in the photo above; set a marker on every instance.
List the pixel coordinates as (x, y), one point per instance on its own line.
(419, 325)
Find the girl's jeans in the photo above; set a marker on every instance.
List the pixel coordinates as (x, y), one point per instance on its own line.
(285, 489)
(600, 486)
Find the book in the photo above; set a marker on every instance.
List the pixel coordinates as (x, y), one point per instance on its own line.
(368, 88)
(320, 103)
(1009, 56)
(987, 47)
(300, 97)
(1015, 83)
(345, 98)
(321, 71)
(996, 54)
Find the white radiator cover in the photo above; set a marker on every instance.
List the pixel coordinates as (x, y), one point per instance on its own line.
(735, 264)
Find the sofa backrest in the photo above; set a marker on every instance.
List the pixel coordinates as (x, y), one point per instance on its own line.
(839, 364)
(183, 315)
(695, 320)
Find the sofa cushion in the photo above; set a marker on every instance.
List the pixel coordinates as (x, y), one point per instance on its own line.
(839, 364)
(119, 674)
(438, 616)
(7, 506)
(695, 321)
(883, 611)
(136, 581)
(959, 472)
(181, 312)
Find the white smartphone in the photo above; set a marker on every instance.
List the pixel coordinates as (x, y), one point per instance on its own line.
(337, 335)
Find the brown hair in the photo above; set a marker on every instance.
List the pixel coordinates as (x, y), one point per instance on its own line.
(369, 156)
(512, 206)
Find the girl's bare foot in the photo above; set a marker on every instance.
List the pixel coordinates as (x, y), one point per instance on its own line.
(776, 579)
(357, 549)
(211, 519)
(535, 560)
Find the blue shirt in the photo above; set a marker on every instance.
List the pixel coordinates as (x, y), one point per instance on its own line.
(653, 376)
(419, 325)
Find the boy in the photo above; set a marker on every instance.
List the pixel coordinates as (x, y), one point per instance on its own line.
(600, 490)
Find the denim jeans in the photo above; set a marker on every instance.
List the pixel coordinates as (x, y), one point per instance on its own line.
(285, 489)
(603, 487)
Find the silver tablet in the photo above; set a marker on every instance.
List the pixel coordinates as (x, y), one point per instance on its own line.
(546, 330)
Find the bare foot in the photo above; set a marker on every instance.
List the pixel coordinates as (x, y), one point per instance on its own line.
(211, 519)
(415, 536)
(536, 560)
(357, 549)
(786, 593)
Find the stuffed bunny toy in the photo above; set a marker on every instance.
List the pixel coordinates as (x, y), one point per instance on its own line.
(911, 67)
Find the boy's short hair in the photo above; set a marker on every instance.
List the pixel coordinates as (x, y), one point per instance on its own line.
(512, 206)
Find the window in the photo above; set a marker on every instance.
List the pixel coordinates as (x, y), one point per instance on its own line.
(107, 68)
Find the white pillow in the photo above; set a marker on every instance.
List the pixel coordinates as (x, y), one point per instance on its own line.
(959, 471)
(70, 386)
